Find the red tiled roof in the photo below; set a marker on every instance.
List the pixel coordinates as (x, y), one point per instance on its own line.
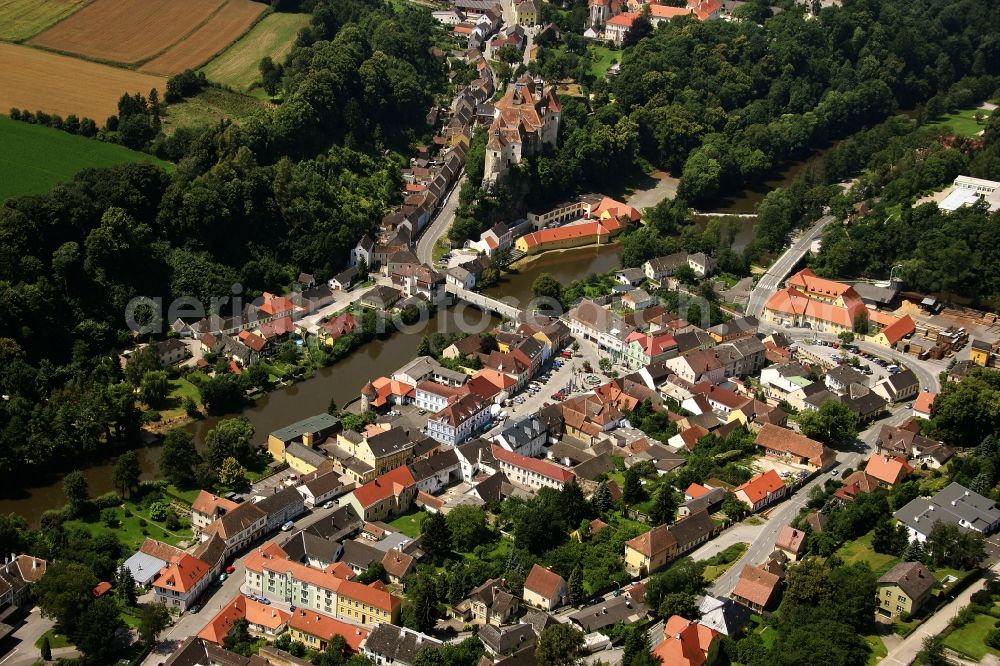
(325, 628)
(776, 438)
(543, 582)
(207, 503)
(899, 329)
(887, 469)
(625, 19)
(761, 486)
(181, 574)
(790, 539)
(604, 227)
(924, 402)
(546, 469)
(756, 585)
(696, 490)
(685, 643)
(390, 484)
(240, 607)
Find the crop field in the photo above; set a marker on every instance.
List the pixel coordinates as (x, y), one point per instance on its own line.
(237, 66)
(20, 19)
(227, 25)
(126, 31)
(35, 158)
(35, 80)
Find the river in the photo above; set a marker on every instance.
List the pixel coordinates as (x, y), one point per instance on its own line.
(343, 381)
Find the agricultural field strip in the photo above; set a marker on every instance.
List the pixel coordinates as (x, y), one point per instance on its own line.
(228, 24)
(128, 32)
(272, 36)
(23, 19)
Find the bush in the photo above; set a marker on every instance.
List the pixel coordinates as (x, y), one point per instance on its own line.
(158, 511)
(982, 598)
(993, 639)
(172, 521)
(964, 617)
(107, 501)
(905, 617)
(142, 522)
(15, 113)
(110, 518)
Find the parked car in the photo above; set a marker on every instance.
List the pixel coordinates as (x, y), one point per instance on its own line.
(328, 504)
(230, 569)
(194, 608)
(287, 526)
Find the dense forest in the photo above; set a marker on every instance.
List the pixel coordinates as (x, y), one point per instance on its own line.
(252, 204)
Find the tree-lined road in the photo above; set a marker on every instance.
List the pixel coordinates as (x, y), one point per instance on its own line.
(439, 225)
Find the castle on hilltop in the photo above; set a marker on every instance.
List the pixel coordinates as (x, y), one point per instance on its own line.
(525, 119)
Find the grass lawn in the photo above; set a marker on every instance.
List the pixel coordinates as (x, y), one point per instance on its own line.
(129, 531)
(603, 57)
(410, 523)
(130, 616)
(34, 158)
(238, 66)
(209, 107)
(860, 550)
(185, 495)
(724, 560)
(904, 628)
(963, 122)
(878, 649)
(971, 639)
(56, 640)
(180, 389)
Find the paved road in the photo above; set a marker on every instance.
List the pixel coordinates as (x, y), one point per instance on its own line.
(763, 544)
(189, 624)
(928, 372)
(779, 270)
(906, 652)
(439, 225)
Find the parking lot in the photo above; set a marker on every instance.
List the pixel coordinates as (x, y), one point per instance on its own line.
(831, 356)
(784, 469)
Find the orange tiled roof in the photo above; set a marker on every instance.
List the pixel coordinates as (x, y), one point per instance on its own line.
(762, 485)
(888, 469)
(543, 582)
(240, 607)
(181, 574)
(924, 402)
(390, 484)
(685, 643)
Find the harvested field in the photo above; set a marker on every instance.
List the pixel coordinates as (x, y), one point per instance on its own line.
(37, 80)
(126, 31)
(20, 19)
(226, 26)
(35, 158)
(237, 67)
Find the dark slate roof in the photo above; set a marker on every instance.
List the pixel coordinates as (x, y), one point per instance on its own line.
(505, 640)
(591, 469)
(397, 643)
(321, 423)
(280, 501)
(359, 555)
(343, 522)
(433, 464)
(303, 545)
(911, 577)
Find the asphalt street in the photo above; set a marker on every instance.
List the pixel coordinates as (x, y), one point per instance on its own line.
(439, 225)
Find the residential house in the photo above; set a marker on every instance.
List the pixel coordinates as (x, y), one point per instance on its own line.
(171, 351)
(492, 603)
(238, 527)
(687, 643)
(698, 365)
(512, 638)
(313, 550)
(476, 456)
(590, 321)
(618, 26)
(638, 299)
(530, 472)
(263, 620)
(701, 264)
(954, 504)
(281, 506)
(904, 589)
(840, 378)
(364, 251)
(526, 436)
(543, 588)
(761, 491)
(888, 470)
(901, 386)
(304, 460)
(389, 645)
(316, 631)
(321, 488)
(723, 615)
(435, 473)
(785, 444)
(758, 587)
(456, 422)
(627, 608)
(16, 578)
(923, 405)
(643, 349)
(333, 329)
(398, 565)
(650, 552)
(792, 542)
(780, 381)
(906, 441)
(660, 267)
(389, 495)
(181, 582)
(381, 297)
(734, 329)
(857, 483)
(206, 508)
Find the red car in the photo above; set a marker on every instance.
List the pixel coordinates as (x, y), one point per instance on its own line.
(230, 569)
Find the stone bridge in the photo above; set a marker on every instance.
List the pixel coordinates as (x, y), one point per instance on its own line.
(484, 302)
